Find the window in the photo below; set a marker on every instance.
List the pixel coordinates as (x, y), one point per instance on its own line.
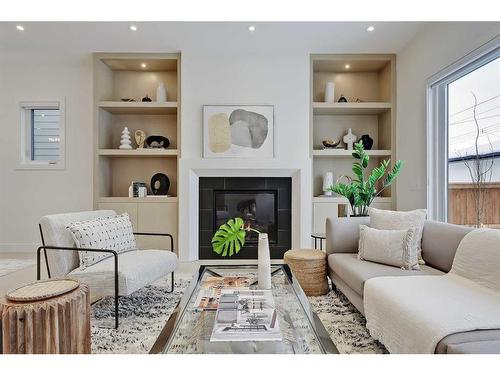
(464, 140)
(42, 135)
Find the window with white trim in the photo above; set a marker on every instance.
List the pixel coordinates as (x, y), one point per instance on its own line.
(463, 140)
(42, 135)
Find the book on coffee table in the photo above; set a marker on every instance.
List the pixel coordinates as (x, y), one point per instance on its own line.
(246, 315)
(210, 290)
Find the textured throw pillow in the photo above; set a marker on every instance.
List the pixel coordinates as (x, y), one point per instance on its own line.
(391, 247)
(401, 220)
(110, 233)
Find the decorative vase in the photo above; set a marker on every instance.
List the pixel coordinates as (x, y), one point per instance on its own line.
(367, 141)
(330, 92)
(161, 93)
(349, 139)
(327, 182)
(264, 262)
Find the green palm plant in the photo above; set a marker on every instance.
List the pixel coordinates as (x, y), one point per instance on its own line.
(361, 191)
(230, 237)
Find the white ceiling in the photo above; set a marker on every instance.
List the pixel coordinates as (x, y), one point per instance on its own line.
(218, 37)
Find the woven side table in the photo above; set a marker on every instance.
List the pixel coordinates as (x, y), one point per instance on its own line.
(53, 325)
(309, 267)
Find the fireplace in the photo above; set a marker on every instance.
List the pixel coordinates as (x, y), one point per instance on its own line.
(264, 203)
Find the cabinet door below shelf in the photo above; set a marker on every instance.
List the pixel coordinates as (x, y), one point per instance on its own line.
(157, 218)
(120, 208)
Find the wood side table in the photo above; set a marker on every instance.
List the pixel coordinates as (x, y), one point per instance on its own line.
(309, 267)
(56, 325)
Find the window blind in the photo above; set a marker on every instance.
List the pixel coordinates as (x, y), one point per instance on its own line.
(46, 135)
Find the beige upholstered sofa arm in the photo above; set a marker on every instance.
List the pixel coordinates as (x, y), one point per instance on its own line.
(342, 234)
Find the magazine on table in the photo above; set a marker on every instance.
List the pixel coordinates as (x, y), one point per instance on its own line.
(210, 290)
(246, 315)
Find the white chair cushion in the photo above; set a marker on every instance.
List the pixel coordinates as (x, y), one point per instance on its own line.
(54, 231)
(136, 269)
(108, 233)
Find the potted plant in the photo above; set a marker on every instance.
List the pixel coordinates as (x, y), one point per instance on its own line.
(229, 240)
(361, 191)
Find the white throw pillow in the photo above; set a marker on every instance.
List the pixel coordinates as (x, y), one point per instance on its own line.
(401, 220)
(391, 247)
(109, 233)
(478, 258)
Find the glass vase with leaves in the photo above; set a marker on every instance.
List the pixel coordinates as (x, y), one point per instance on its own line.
(361, 190)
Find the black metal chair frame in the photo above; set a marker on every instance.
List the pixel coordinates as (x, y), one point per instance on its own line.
(115, 256)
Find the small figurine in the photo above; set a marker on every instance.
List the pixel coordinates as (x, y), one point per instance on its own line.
(146, 99)
(342, 99)
(125, 142)
(140, 137)
(367, 141)
(349, 139)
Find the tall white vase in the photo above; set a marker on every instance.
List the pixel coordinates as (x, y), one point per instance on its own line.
(330, 92)
(161, 93)
(264, 262)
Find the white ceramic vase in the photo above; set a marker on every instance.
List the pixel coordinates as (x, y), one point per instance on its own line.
(327, 182)
(330, 92)
(161, 93)
(264, 262)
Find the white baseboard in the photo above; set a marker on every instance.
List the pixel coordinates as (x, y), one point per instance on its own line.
(18, 247)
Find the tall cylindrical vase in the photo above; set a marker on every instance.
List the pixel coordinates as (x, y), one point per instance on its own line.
(264, 262)
(330, 92)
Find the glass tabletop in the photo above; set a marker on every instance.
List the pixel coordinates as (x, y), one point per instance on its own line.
(189, 328)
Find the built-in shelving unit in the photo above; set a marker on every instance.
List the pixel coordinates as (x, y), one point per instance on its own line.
(369, 84)
(121, 80)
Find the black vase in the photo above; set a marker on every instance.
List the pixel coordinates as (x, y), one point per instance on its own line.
(367, 141)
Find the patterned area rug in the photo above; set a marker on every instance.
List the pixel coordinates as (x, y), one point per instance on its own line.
(12, 265)
(144, 314)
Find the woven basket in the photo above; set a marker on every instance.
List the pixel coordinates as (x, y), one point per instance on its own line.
(309, 267)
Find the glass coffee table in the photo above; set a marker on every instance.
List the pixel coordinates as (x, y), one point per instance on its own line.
(188, 329)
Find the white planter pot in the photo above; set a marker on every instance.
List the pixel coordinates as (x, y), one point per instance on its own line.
(264, 262)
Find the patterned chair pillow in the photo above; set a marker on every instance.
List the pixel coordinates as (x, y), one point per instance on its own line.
(110, 233)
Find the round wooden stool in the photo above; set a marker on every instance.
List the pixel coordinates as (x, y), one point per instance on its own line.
(58, 322)
(309, 267)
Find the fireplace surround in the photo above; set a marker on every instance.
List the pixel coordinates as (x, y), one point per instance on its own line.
(264, 203)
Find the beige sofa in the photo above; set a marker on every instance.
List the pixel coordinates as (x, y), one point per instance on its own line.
(439, 244)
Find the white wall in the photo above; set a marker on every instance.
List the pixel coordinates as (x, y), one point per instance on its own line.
(26, 195)
(429, 52)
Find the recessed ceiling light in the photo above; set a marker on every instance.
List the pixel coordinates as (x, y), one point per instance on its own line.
(251, 28)
(143, 65)
(370, 28)
(20, 27)
(347, 66)
(133, 27)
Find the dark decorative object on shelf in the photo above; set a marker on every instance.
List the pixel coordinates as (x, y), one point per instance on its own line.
(157, 141)
(160, 184)
(367, 141)
(342, 99)
(330, 143)
(146, 99)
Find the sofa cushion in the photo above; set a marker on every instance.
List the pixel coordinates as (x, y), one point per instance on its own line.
(136, 269)
(355, 272)
(440, 242)
(391, 247)
(398, 220)
(107, 233)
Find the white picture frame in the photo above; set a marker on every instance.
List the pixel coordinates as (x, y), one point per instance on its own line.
(238, 131)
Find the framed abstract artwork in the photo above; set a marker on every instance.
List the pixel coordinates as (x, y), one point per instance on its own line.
(238, 131)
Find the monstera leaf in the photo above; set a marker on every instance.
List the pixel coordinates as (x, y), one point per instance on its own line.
(230, 237)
